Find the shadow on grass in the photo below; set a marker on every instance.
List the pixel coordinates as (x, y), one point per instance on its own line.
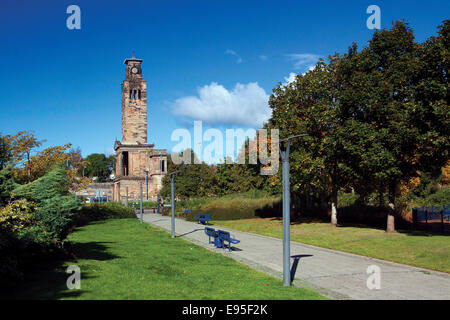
(48, 280)
(403, 228)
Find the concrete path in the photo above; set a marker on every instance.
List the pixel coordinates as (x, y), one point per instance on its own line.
(335, 274)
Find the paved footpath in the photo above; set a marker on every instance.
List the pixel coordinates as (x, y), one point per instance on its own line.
(335, 274)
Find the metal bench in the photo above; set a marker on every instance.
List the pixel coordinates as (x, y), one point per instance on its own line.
(202, 218)
(225, 236)
(211, 232)
(187, 211)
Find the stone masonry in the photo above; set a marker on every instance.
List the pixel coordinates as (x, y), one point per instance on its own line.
(136, 161)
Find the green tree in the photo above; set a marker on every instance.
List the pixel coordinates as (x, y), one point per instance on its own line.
(310, 105)
(56, 206)
(405, 110)
(192, 180)
(7, 184)
(100, 166)
(5, 152)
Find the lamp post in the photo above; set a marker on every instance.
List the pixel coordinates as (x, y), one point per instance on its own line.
(141, 210)
(172, 200)
(146, 184)
(286, 211)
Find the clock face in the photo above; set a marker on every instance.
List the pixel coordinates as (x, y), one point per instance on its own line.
(134, 70)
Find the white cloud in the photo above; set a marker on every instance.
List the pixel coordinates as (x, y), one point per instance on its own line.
(246, 104)
(292, 76)
(109, 151)
(233, 53)
(304, 60)
(289, 79)
(263, 57)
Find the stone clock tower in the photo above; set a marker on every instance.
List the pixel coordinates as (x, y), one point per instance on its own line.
(137, 163)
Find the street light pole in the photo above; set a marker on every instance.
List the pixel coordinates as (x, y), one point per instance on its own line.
(286, 217)
(141, 210)
(172, 200)
(146, 184)
(286, 212)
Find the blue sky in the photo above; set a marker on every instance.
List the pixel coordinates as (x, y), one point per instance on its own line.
(215, 61)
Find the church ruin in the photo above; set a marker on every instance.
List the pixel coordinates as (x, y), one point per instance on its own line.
(137, 162)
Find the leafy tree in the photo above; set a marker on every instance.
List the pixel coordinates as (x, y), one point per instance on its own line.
(402, 106)
(49, 186)
(5, 152)
(310, 105)
(7, 184)
(42, 162)
(21, 145)
(56, 206)
(375, 118)
(192, 180)
(100, 166)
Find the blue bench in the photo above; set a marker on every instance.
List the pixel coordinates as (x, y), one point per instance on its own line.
(187, 211)
(220, 237)
(202, 218)
(211, 232)
(225, 236)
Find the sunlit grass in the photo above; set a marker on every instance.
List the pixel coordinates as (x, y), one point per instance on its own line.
(123, 259)
(419, 249)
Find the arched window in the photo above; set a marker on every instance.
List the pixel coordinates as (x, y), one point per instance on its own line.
(139, 94)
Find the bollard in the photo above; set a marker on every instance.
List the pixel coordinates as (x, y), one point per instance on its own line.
(158, 199)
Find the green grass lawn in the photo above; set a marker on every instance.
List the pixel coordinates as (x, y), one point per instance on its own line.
(123, 259)
(419, 249)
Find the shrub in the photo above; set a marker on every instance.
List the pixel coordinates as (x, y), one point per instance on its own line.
(347, 199)
(102, 211)
(145, 204)
(56, 207)
(442, 197)
(230, 207)
(7, 184)
(10, 270)
(56, 215)
(17, 215)
(51, 185)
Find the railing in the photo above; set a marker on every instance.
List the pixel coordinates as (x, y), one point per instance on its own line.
(434, 218)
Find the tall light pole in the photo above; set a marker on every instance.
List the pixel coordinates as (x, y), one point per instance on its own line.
(172, 200)
(141, 210)
(286, 211)
(146, 184)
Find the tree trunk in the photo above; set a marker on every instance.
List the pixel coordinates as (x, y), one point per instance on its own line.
(390, 226)
(334, 209)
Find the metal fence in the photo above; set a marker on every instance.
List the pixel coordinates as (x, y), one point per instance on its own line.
(434, 218)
